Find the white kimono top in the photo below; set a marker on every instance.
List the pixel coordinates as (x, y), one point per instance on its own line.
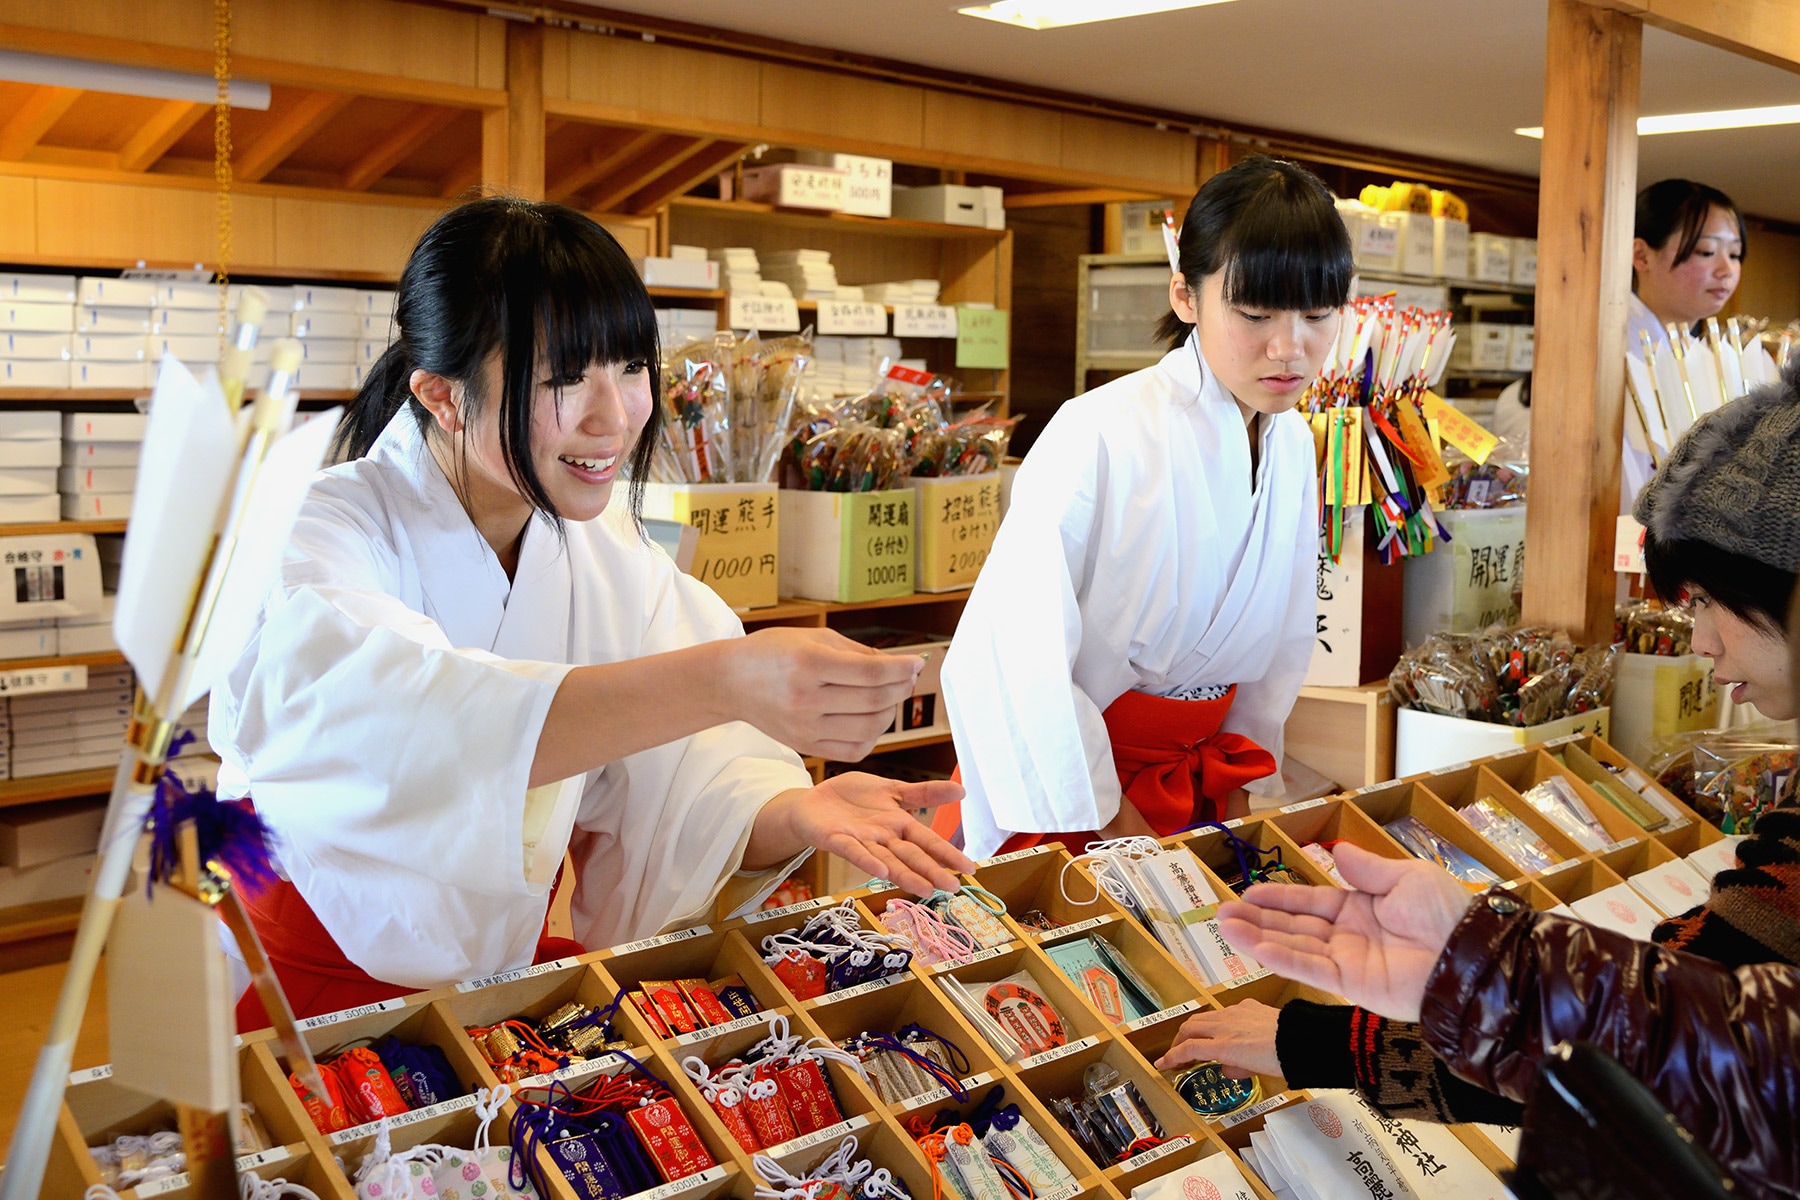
(1134, 555)
(1635, 467)
(385, 716)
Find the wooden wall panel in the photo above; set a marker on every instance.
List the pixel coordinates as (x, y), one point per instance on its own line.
(379, 37)
(842, 106)
(651, 77)
(636, 234)
(324, 235)
(1114, 148)
(18, 215)
(956, 124)
(1770, 286)
(79, 220)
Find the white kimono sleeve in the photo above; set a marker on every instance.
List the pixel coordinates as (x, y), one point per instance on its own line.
(392, 767)
(661, 834)
(1032, 745)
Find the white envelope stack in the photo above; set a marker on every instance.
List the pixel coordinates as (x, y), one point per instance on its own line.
(849, 366)
(88, 634)
(808, 274)
(739, 268)
(30, 452)
(37, 330)
(99, 464)
(903, 291)
(72, 731)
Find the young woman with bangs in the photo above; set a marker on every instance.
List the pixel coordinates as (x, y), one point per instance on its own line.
(1140, 632)
(476, 661)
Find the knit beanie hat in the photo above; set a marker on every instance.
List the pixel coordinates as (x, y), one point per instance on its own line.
(1733, 480)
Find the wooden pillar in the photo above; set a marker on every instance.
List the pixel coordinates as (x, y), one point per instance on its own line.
(524, 116)
(1585, 210)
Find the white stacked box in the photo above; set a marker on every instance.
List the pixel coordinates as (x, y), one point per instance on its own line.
(739, 268)
(677, 326)
(99, 464)
(850, 366)
(28, 639)
(29, 442)
(71, 731)
(903, 291)
(90, 634)
(37, 325)
(808, 274)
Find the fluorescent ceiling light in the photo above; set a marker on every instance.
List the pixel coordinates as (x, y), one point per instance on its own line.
(1728, 118)
(130, 81)
(1052, 14)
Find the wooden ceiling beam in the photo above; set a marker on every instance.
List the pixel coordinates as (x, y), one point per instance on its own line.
(419, 128)
(462, 179)
(166, 126)
(643, 170)
(703, 166)
(287, 134)
(599, 161)
(43, 108)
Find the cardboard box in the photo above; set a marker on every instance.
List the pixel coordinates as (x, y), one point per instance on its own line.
(797, 185)
(112, 374)
(196, 348)
(86, 639)
(97, 506)
(1524, 261)
(945, 204)
(36, 347)
(369, 351)
(678, 273)
(28, 643)
(316, 351)
(16, 453)
(76, 480)
(1467, 585)
(18, 510)
(958, 518)
(63, 724)
(57, 880)
(104, 427)
(309, 298)
(141, 321)
(328, 323)
(847, 546)
(738, 549)
(1418, 243)
(1449, 248)
(24, 317)
(1360, 602)
(37, 289)
(21, 373)
(61, 765)
(1490, 258)
(376, 302)
(96, 454)
(1521, 348)
(1431, 742)
(33, 837)
(94, 292)
(27, 481)
(201, 322)
(1656, 696)
(1482, 346)
(868, 182)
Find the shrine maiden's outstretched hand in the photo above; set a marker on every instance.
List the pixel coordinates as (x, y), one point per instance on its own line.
(869, 822)
(1375, 946)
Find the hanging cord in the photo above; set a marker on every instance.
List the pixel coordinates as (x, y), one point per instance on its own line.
(931, 933)
(255, 1187)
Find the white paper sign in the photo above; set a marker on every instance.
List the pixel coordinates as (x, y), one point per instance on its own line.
(851, 316)
(1337, 644)
(49, 576)
(1628, 545)
(924, 320)
(43, 679)
(771, 314)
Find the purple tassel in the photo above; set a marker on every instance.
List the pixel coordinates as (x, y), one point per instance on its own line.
(232, 834)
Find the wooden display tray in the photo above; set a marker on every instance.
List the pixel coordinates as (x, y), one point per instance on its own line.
(1045, 879)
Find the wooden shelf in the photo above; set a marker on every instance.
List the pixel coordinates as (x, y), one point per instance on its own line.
(64, 786)
(1485, 376)
(1461, 285)
(109, 658)
(929, 739)
(46, 918)
(31, 529)
(789, 608)
(768, 214)
(681, 293)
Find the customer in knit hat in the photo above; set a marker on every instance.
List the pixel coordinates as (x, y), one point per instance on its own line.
(1722, 533)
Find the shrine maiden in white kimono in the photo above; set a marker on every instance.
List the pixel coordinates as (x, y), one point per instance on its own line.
(1134, 556)
(385, 717)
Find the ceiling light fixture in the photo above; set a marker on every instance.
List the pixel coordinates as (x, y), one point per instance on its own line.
(1697, 122)
(130, 81)
(1053, 14)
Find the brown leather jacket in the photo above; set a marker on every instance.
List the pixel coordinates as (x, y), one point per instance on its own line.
(1720, 1047)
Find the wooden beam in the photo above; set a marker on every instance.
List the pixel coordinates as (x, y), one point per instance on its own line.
(1766, 30)
(640, 172)
(1057, 199)
(386, 154)
(1591, 69)
(703, 166)
(166, 126)
(525, 110)
(599, 161)
(43, 108)
(287, 134)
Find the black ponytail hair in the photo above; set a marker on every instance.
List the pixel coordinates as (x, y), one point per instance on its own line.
(544, 287)
(1678, 208)
(1274, 230)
